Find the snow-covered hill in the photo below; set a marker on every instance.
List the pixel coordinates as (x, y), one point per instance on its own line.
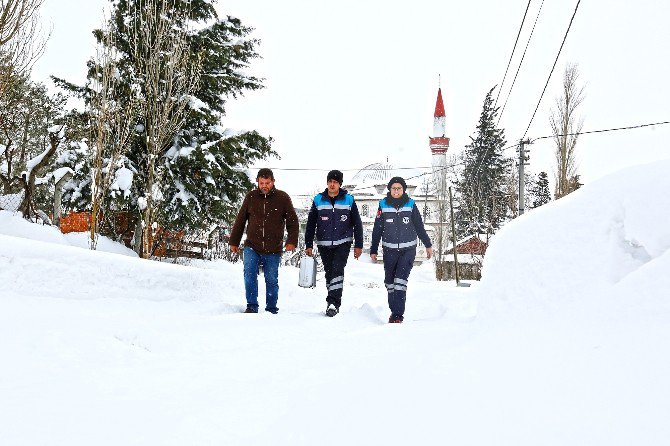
(563, 342)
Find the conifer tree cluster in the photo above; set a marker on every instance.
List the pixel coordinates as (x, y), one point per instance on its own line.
(200, 169)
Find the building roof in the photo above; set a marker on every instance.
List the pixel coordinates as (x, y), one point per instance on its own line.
(476, 237)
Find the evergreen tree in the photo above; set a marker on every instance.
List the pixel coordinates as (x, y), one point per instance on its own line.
(201, 171)
(540, 191)
(482, 197)
(574, 183)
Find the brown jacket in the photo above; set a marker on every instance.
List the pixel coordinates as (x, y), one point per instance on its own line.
(265, 216)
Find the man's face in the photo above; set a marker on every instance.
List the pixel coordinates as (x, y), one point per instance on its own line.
(396, 190)
(333, 187)
(265, 184)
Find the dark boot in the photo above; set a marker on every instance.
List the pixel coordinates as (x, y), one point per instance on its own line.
(393, 319)
(332, 310)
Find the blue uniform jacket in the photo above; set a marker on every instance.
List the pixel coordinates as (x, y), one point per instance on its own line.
(334, 221)
(398, 228)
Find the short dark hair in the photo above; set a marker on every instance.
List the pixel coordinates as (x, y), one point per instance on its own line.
(265, 173)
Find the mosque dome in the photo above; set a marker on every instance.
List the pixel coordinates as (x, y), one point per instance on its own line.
(379, 174)
(374, 173)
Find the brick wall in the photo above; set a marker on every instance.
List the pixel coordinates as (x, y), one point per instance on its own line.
(75, 222)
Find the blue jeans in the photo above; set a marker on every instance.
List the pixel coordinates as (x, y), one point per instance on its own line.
(270, 262)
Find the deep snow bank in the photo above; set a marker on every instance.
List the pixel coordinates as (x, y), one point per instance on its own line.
(45, 269)
(37, 260)
(609, 238)
(16, 226)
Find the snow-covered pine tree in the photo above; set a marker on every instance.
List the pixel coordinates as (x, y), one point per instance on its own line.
(540, 191)
(202, 168)
(482, 197)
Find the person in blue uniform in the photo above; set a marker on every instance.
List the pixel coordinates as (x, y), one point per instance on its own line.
(335, 219)
(397, 226)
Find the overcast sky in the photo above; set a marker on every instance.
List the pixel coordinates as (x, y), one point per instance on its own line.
(354, 82)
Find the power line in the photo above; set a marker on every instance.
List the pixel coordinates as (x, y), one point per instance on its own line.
(520, 63)
(552, 69)
(515, 145)
(605, 130)
(512, 55)
(314, 169)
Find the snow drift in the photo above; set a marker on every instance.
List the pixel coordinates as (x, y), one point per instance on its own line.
(561, 343)
(608, 238)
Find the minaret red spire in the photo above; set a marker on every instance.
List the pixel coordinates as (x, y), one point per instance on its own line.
(439, 143)
(439, 105)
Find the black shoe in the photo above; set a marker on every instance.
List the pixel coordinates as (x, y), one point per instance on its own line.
(251, 309)
(393, 319)
(272, 310)
(332, 310)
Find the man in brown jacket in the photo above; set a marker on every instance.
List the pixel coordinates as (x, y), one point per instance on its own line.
(265, 211)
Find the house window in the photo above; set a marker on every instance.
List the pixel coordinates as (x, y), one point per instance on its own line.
(427, 211)
(366, 210)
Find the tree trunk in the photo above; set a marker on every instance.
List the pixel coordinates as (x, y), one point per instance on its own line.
(29, 182)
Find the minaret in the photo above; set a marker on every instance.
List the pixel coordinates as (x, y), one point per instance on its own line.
(439, 143)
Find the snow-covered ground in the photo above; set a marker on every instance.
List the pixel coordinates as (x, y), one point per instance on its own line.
(564, 342)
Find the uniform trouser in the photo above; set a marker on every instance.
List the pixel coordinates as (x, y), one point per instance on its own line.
(334, 260)
(397, 266)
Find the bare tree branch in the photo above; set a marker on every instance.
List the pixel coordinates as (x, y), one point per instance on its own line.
(564, 125)
(165, 69)
(113, 122)
(14, 15)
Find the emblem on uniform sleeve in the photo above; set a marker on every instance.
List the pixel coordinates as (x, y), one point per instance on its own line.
(405, 220)
(379, 213)
(343, 218)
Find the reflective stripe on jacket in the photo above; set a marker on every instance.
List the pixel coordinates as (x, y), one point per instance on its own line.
(334, 221)
(398, 231)
(398, 228)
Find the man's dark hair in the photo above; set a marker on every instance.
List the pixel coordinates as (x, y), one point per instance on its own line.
(265, 173)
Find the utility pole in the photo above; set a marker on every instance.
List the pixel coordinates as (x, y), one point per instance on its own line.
(523, 157)
(425, 200)
(453, 236)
